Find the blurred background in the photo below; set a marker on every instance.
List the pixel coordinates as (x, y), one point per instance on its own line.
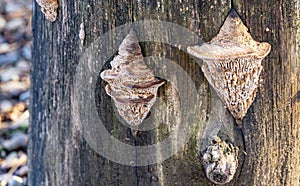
(15, 61)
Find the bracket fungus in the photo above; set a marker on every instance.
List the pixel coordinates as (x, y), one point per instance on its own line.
(131, 84)
(49, 8)
(232, 64)
(220, 161)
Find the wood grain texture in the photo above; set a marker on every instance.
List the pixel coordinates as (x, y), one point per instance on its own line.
(274, 119)
(271, 126)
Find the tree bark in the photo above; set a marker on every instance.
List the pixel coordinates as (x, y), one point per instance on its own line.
(59, 153)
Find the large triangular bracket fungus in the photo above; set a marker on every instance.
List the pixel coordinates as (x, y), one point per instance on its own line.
(232, 64)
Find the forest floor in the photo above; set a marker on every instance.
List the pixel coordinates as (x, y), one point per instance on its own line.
(15, 62)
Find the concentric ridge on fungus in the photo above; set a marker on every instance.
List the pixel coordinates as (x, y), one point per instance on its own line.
(232, 64)
(131, 84)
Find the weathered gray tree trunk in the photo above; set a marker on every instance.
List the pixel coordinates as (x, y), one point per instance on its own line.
(59, 154)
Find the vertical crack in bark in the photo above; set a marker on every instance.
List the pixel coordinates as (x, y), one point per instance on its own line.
(244, 150)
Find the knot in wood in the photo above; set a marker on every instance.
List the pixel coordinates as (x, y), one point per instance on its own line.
(220, 161)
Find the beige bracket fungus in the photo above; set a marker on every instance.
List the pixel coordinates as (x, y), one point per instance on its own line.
(49, 8)
(131, 84)
(232, 64)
